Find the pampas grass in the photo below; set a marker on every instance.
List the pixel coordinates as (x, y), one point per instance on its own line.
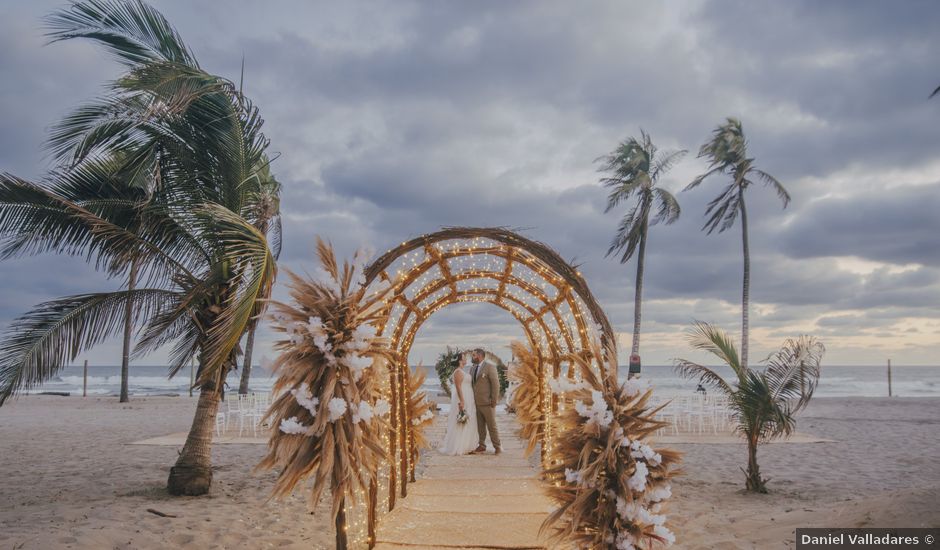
(330, 412)
(421, 415)
(526, 399)
(608, 484)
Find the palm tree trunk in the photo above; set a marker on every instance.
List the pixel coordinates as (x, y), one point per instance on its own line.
(192, 473)
(638, 295)
(246, 366)
(128, 328)
(754, 482)
(746, 291)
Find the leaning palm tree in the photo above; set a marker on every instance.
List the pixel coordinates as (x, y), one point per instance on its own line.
(635, 167)
(764, 403)
(267, 219)
(727, 154)
(162, 172)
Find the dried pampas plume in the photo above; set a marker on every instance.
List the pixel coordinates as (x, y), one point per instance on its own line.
(609, 485)
(420, 413)
(330, 414)
(525, 398)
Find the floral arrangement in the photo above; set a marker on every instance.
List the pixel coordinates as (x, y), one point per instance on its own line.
(462, 417)
(609, 484)
(330, 412)
(446, 364)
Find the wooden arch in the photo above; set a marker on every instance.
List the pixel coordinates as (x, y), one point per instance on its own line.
(547, 295)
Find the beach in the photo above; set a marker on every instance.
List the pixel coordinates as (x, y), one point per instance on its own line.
(74, 480)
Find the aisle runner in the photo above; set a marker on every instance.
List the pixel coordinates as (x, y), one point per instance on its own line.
(476, 501)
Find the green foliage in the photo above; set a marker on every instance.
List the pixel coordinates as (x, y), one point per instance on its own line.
(446, 364)
(168, 169)
(764, 402)
(635, 167)
(726, 153)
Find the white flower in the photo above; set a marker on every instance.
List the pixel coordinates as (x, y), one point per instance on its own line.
(363, 413)
(634, 386)
(381, 408)
(357, 364)
(634, 512)
(626, 541)
(572, 476)
(666, 534)
(428, 415)
(597, 412)
(637, 481)
(563, 385)
(320, 341)
(306, 399)
(646, 452)
(659, 493)
(337, 408)
(292, 426)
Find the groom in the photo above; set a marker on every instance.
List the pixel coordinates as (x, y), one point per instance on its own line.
(485, 382)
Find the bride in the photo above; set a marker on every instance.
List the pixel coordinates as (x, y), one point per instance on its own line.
(461, 438)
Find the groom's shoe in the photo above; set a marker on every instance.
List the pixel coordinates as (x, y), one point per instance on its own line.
(478, 450)
(498, 450)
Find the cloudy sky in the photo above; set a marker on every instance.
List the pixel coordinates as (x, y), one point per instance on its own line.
(393, 119)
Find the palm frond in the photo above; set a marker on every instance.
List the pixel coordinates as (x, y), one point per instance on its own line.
(690, 370)
(252, 268)
(130, 29)
(665, 161)
(705, 337)
(777, 186)
(39, 344)
(793, 371)
(669, 209)
(723, 210)
(630, 231)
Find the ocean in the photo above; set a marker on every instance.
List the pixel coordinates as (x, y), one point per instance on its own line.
(870, 381)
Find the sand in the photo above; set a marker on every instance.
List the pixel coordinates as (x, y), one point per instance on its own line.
(72, 479)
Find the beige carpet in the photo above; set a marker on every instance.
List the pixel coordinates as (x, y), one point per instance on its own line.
(475, 501)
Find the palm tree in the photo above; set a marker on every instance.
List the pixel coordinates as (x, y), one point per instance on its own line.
(635, 167)
(727, 154)
(764, 403)
(164, 171)
(267, 219)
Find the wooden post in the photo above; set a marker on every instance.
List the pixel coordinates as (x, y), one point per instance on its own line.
(85, 380)
(373, 504)
(405, 425)
(889, 378)
(393, 440)
(341, 543)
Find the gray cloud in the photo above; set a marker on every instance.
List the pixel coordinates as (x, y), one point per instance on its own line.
(491, 114)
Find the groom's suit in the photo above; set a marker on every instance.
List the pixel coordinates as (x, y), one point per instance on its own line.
(485, 381)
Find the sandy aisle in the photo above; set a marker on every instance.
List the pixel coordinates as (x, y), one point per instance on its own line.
(71, 480)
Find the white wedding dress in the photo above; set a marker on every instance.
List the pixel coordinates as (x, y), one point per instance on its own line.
(460, 439)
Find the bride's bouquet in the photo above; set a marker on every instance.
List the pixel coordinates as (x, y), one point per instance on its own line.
(462, 417)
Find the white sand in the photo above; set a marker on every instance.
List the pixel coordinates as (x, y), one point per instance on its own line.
(71, 480)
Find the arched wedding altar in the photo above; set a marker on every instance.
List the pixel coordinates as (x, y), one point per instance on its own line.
(351, 418)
